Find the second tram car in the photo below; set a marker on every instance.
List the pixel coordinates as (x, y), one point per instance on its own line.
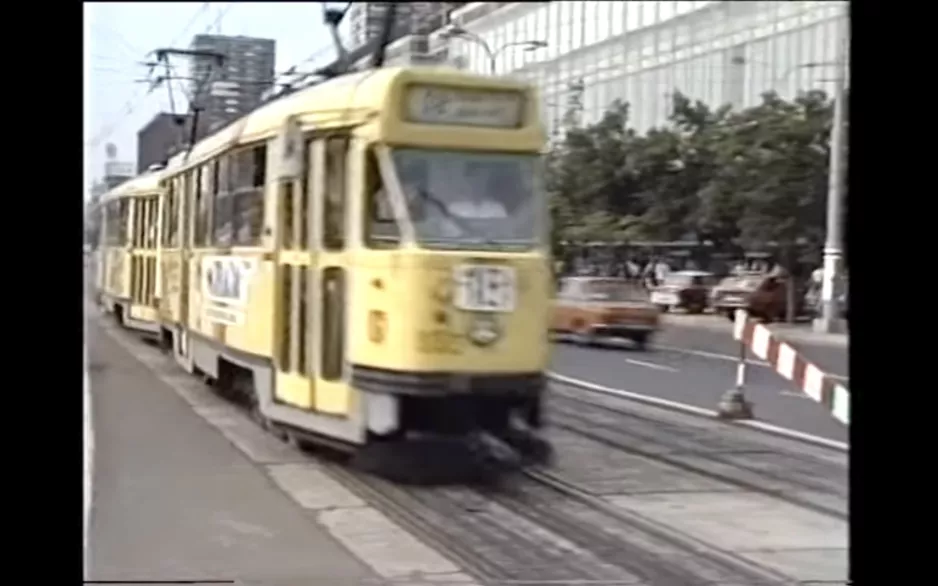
(128, 253)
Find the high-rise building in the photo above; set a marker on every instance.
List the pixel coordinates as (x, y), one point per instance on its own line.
(233, 88)
(161, 138)
(641, 52)
(418, 18)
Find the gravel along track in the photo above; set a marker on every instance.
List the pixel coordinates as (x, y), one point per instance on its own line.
(807, 476)
(537, 530)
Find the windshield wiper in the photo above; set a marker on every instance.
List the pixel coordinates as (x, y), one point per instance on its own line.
(427, 196)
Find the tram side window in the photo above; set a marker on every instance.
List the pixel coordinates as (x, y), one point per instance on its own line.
(153, 228)
(112, 214)
(169, 219)
(123, 224)
(304, 208)
(171, 223)
(381, 229)
(222, 220)
(333, 235)
(107, 224)
(333, 323)
(183, 207)
(248, 198)
(201, 206)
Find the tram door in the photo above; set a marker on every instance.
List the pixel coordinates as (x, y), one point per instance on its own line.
(331, 295)
(312, 276)
(294, 358)
(143, 258)
(102, 246)
(185, 219)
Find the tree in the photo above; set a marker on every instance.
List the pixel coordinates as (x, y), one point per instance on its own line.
(752, 178)
(782, 152)
(589, 178)
(772, 176)
(678, 164)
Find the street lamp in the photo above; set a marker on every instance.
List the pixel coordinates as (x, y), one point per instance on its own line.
(833, 245)
(455, 31)
(830, 322)
(783, 77)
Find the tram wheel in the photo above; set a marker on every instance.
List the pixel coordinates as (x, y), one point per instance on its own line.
(640, 341)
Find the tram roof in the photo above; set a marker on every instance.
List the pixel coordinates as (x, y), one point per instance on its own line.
(348, 100)
(145, 184)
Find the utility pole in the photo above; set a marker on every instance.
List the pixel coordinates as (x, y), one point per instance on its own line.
(162, 55)
(830, 321)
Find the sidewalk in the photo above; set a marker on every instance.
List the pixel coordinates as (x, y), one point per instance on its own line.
(805, 333)
(174, 500)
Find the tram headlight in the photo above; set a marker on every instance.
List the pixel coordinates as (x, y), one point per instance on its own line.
(442, 292)
(484, 330)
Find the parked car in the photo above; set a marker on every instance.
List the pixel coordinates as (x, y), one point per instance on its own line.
(763, 295)
(593, 309)
(689, 290)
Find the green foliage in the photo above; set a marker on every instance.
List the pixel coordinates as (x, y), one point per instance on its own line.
(749, 177)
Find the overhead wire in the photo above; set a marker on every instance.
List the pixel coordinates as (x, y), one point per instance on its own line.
(131, 105)
(171, 76)
(128, 48)
(301, 76)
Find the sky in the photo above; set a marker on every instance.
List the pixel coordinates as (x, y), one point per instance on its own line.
(119, 37)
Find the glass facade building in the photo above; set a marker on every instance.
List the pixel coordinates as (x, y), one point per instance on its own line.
(642, 51)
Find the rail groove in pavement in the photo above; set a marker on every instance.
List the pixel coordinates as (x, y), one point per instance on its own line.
(537, 529)
(724, 457)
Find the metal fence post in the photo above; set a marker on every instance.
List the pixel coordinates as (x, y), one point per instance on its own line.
(733, 403)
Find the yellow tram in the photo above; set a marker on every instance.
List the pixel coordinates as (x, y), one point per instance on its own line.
(367, 262)
(128, 253)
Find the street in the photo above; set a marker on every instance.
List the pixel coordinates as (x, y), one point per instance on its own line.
(696, 365)
(714, 335)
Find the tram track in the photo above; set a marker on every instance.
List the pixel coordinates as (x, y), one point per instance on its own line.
(541, 527)
(537, 529)
(715, 456)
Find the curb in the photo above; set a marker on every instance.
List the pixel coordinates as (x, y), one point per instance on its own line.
(88, 464)
(701, 412)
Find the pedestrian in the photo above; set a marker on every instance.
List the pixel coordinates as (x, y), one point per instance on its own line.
(817, 276)
(661, 270)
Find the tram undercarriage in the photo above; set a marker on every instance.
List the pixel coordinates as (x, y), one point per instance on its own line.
(458, 439)
(488, 428)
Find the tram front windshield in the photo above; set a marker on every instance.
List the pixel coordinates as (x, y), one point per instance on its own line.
(472, 200)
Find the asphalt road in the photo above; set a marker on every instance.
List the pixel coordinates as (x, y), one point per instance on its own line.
(174, 500)
(698, 380)
(714, 335)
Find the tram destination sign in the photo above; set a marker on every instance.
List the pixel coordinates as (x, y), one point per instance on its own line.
(427, 104)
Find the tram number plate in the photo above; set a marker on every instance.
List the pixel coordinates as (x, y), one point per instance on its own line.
(485, 288)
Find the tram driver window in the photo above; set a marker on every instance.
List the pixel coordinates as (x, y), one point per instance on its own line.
(381, 229)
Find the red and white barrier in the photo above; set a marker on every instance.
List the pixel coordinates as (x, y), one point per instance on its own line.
(787, 362)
